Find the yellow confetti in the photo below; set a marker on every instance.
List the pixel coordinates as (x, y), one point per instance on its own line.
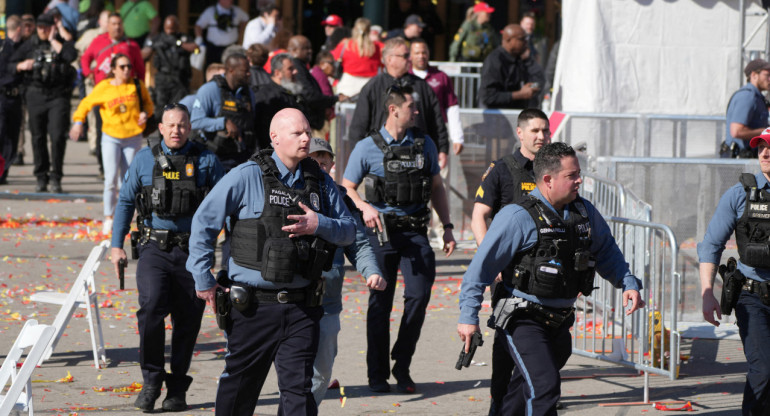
(344, 400)
(342, 391)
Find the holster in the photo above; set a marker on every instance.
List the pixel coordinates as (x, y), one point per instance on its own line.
(732, 284)
(504, 310)
(135, 236)
(223, 306)
(315, 292)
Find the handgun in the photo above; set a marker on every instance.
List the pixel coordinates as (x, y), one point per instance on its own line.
(466, 357)
(382, 236)
(122, 273)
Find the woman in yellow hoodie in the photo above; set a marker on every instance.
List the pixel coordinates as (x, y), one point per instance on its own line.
(122, 126)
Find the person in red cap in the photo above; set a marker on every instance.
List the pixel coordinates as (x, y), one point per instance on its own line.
(743, 209)
(331, 24)
(476, 38)
(747, 112)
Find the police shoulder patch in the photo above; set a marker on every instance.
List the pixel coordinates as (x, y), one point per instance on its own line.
(489, 169)
(315, 201)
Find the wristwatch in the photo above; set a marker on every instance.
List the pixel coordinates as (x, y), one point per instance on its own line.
(449, 226)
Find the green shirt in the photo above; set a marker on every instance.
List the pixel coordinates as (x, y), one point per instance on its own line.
(136, 18)
(85, 4)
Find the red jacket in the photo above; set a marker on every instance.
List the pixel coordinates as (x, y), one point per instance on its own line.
(101, 51)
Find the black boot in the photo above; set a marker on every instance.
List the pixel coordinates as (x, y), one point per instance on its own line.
(146, 399)
(42, 184)
(177, 392)
(56, 186)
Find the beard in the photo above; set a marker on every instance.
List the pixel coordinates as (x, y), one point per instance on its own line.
(293, 86)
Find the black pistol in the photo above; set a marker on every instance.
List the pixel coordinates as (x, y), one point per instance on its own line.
(382, 236)
(122, 273)
(465, 358)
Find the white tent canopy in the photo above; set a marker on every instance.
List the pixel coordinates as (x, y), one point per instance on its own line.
(645, 56)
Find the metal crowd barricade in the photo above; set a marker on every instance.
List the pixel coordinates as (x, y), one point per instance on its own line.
(647, 340)
(466, 77)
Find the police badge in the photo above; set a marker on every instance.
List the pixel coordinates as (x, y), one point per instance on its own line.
(315, 201)
(419, 161)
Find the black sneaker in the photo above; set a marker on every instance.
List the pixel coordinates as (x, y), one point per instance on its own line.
(379, 386)
(147, 397)
(176, 403)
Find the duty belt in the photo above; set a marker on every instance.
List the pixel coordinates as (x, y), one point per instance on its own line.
(167, 239)
(265, 296)
(752, 286)
(10, 92)
(415, 222)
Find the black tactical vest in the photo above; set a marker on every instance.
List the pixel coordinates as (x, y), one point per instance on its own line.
(523, 181)
(752, 233)
(170, 58)
(407, 178)
(48, 69)
(260, 244)
(560, 264)
(238, 111)
(174, 191)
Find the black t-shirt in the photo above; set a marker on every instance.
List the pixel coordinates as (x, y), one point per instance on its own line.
(497, 188)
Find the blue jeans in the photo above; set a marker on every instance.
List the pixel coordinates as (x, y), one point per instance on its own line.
(117, 155)
(753, 319)
(324, 359)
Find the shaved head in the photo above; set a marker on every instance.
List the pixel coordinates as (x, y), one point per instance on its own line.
(290, 136)
(514, 39)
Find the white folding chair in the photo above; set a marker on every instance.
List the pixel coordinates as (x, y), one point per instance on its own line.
(18, 397)
(82, 295)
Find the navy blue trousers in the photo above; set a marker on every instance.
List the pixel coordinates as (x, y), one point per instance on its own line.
(539, 354)
(284, 334)
(10, 123)
(166, 287)
(49, 114)
(753, 319)
(412, 252)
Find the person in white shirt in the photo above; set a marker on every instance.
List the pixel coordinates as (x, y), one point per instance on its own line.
(263, 28)
(224, 24)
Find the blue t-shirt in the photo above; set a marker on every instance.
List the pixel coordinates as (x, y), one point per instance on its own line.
(367, 158)
(241, 194)
(722, 225)
(513, 231)
(139, 175)
(746, 107)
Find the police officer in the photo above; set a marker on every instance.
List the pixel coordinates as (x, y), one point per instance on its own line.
(165, 183)
(506, 181)
(171, 57)
(548, 248)
(285, 216)
(476, 38)
(399, 167)
(10, 97)
(744, 209)
(224, 113)
(49, 77)
(361, 257)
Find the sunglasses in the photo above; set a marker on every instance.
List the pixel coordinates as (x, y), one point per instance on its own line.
(124, 67)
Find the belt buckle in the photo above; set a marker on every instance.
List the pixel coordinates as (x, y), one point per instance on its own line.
(282, 296)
